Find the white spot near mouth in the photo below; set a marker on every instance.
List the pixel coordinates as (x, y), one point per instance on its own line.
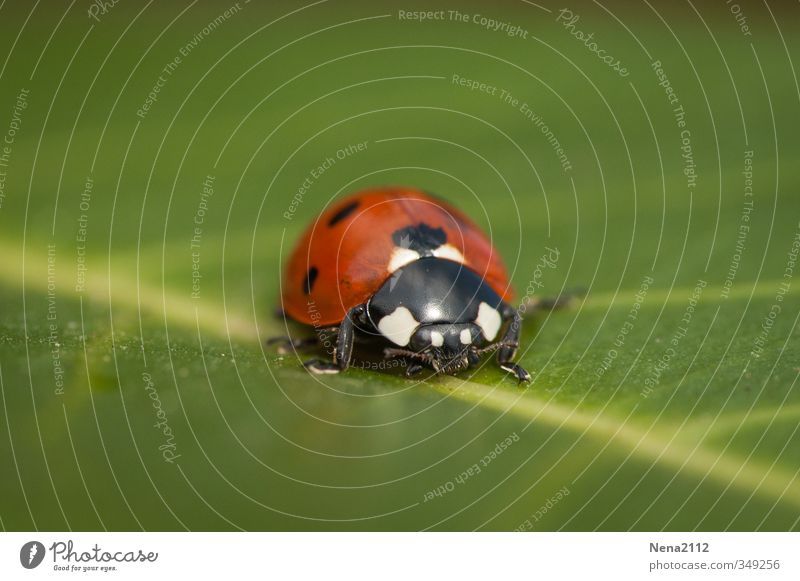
(401, 257)
(399, 326)
(449, 252)
(465, 336)
(437, 339)
(489, 320)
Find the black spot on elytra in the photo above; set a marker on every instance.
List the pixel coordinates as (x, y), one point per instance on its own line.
(311, 277)
(421, 238)
(343, 213)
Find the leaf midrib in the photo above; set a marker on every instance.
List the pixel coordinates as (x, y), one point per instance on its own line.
(682, 451)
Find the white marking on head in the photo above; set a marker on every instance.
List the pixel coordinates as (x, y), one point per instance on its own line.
(401, 257)
(465, 336)
(399, 326)
(437, 339)
(449, 252)
(489, 320)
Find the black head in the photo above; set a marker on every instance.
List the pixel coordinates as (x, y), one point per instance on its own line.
(437, 312)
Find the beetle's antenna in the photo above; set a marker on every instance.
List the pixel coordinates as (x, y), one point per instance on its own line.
(496, 346)
(393, 352)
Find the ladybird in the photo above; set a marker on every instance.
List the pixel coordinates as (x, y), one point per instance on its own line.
(408, 271)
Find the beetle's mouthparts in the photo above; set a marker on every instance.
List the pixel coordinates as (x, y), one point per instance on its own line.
(453, 365)
(441, 360)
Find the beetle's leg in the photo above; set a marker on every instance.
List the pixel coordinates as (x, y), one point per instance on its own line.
(344, 345)
(521, 374)
(510, 341)
(413, 369)
(320, 367)
(286, 344)
(509, 345)
(344, 342)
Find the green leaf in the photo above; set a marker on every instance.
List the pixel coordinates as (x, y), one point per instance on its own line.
(138, 395)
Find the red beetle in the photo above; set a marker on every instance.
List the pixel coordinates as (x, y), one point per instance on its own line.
(410, 271)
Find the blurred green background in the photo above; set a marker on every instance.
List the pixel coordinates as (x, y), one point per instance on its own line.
(128, 403)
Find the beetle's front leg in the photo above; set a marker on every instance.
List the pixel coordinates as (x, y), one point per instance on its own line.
(343, 352)
(510, 344)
